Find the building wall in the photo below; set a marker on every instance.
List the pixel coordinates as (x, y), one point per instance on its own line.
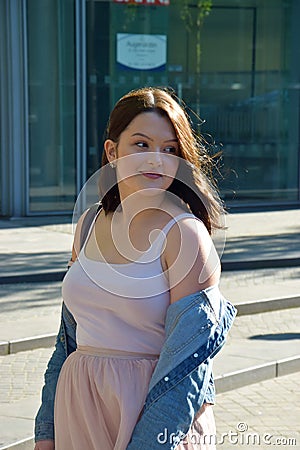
(64, 63)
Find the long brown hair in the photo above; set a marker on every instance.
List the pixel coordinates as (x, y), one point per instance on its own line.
(194, 184)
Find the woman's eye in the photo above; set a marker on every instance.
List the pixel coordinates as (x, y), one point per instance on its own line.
(170, 150)
(141, 144)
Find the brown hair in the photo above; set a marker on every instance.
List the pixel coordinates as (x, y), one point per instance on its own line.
(194, 184)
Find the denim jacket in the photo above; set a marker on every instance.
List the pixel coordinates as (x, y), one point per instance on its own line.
(65, 345)
(196, 329)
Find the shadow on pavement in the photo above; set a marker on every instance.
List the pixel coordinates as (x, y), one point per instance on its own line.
(35, 221)
(26, 296)
(276, 336)
(33, 262)
(270, 246)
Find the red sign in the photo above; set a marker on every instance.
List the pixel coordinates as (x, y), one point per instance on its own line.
(145, 2)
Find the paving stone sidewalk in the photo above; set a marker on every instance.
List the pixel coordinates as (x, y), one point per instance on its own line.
(21, 380)
(253, 340)
(267, 413)
(260, 416)
(30, 309)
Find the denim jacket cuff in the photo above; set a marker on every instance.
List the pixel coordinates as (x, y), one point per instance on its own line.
(44, 431)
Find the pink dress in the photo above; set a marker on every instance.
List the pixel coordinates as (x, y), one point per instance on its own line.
(120, 312)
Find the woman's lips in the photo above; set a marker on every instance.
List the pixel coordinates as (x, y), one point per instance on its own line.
(153, 176)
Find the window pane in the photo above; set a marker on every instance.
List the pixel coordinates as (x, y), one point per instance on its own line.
(247, 99)
(51, 79)
(236, 66)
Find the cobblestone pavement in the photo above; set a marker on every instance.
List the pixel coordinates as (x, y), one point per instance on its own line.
(246, 285)
(21, 380)
(260, 416)
(258, 339)
(21, 374)
(256, 417)
(267, 325)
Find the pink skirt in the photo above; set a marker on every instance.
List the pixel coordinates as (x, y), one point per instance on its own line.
(99, 398)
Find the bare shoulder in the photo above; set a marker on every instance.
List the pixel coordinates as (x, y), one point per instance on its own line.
(191, 258)
(188, 231)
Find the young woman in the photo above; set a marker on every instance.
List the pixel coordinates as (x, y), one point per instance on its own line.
(141, 305)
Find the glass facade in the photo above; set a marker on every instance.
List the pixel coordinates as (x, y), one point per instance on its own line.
(235, 64)
(51, 104)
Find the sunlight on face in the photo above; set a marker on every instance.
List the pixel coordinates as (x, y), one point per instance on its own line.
(147, 155)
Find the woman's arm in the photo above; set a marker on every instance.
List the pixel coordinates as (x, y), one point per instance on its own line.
(191, 259)
(185, 363)
(45, 445)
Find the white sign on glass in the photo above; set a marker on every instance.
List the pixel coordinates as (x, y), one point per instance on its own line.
(141, 51)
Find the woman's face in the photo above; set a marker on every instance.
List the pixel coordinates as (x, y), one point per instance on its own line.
(146, 155)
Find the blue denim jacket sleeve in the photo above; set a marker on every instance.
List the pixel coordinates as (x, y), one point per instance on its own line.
(65, 344)
(196, 328)
(166, 422)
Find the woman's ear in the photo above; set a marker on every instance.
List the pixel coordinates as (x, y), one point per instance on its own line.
(110, 148)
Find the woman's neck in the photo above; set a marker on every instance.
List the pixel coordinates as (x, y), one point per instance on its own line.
(141, 204)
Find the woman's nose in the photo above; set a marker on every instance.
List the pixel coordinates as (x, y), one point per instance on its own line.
(154, 158)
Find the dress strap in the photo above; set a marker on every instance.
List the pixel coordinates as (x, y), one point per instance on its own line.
(176, 219)
(89, 217)
(88, 229)
(161, 242)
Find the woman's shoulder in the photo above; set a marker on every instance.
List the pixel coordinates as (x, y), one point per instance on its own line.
(189, 237)
(188, 226)
(192, 261)
(183, 228)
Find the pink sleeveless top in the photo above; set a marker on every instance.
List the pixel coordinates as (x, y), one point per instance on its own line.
(120, 306)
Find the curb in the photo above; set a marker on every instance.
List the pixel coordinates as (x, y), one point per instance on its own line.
(267, 305)
(25, 344)
(227, 266)
(243, 309)
(24, 444)
(231, 265)
(35, 277)
(224, 383)
(256, 374)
